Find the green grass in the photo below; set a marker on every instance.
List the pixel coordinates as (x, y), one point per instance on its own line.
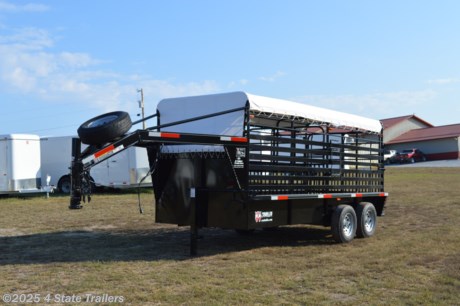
(108, 247)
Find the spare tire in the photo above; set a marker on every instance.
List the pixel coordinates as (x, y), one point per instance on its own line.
(104, 128)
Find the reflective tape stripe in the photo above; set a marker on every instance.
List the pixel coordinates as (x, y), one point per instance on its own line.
(104, 151)
(110, 150)
(164, 135)
(239, 139)
(337, 196)
(154, 134)
(170, 135)
(233, 139)
(279, 198)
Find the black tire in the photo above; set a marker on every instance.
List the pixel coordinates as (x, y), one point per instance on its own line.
(64, 185)
(104, 128)
(367, 220)
(343, 224)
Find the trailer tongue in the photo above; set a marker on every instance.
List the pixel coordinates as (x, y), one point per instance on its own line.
(243, 162)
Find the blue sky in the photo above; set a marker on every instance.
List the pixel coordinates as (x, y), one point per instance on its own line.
(63, 62)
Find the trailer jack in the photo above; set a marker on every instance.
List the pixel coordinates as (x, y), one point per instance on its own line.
(78, 175)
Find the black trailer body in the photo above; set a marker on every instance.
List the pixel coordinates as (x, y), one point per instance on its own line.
(257, 164)
(267, 181)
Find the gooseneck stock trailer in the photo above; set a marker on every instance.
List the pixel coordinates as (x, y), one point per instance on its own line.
(240, 161)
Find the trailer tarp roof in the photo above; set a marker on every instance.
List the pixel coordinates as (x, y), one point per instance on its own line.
(176, 109)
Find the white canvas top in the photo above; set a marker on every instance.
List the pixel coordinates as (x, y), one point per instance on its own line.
(176, 109)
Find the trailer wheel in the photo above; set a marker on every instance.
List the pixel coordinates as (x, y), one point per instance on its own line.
(64, 185)
(343, 223)
(104, 128)
(367, 220)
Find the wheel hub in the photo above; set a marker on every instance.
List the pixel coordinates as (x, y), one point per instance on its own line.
(369, 221)
(348, 225)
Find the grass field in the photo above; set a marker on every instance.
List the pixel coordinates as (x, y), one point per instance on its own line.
(109, 248)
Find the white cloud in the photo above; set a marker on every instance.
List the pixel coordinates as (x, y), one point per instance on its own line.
(273, 77)
(26, 39)
(238, 84)
(377, 105)
(27, 66)
(76, 60)
(444, 81)
(15, 8)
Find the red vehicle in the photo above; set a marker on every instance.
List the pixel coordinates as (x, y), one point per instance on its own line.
(411, 156)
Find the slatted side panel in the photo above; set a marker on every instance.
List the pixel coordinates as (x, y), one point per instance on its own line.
(290, 162)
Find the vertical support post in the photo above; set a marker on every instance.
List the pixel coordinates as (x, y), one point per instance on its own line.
(342, 162)
(247, 119)
(75, 175)
(357, 176)
(381, 161)
(141, 106)
(193, 223)
(293, 156)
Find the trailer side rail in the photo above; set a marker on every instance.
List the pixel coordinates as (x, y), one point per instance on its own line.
(285, 197)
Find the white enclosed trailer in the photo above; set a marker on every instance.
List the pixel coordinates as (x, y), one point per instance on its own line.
(19, 164)
(124, 170)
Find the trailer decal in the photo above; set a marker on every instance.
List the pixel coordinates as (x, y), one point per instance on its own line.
(240, 153)
(239, 164)
(263, 216)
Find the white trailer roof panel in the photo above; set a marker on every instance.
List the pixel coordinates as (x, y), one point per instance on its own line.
(176, 109)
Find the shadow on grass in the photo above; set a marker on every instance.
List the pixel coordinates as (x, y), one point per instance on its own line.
(148, 245)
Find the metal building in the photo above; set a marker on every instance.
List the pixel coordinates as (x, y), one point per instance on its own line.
(409, 132)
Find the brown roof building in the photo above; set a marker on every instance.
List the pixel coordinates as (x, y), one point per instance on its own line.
(395, 127)
(408, 132)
